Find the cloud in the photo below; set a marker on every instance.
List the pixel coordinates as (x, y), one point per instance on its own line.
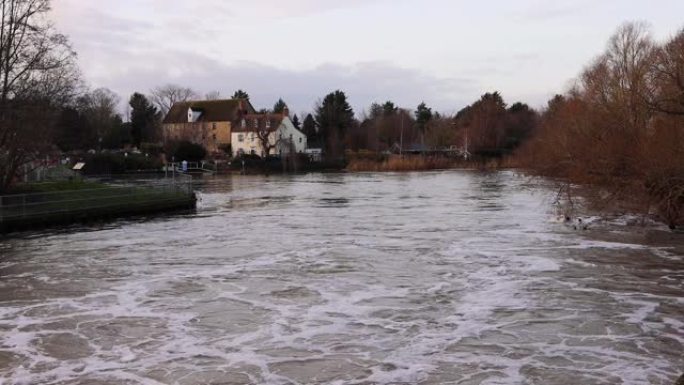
(364, 82)
(552, 11)
(442, 51)
(122, 48)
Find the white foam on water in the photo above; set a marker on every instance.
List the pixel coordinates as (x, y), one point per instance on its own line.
(478, 283)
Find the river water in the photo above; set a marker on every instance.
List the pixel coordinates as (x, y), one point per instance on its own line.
(446, 277)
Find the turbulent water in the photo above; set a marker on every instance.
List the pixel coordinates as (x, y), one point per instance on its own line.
(431, 278)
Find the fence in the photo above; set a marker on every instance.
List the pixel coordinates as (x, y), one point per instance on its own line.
(206, 167)
(114, 199)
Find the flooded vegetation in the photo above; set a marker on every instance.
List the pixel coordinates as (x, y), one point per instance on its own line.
(437, 277)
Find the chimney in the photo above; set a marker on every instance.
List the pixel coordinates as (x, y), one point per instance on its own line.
(286, 112)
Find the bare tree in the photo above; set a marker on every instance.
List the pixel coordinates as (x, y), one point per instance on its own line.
(165, 97)
(668, 77)
(212, 95)
(621, 128)
(38, 75)
(100, 108)
(265, 132)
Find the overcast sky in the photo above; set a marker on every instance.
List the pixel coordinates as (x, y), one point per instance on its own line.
(445, 52)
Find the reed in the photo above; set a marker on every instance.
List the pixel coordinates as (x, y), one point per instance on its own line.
(396, 163)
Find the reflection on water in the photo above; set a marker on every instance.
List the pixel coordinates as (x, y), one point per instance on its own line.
(449, 277)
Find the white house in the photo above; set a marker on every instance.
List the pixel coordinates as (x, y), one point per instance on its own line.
(283, 137)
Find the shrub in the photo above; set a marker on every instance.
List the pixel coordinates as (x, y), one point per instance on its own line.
(398, 163)
(109, 163)
(151, 148)
(226, 148)
(189, 151)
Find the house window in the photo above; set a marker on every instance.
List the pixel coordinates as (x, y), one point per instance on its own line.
(300, 140)
(241, 138)
(213, 126)
(214, 136)
(268, 123)
(256, 123)
(252, 136)
(243, 123)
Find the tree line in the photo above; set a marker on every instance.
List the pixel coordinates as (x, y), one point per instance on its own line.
(46, 106)
(488, 125)
(620, 127)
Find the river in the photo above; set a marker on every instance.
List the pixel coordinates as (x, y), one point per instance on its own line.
(443, 277)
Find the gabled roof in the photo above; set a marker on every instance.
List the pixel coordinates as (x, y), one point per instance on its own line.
(226, 110)
(254, 122)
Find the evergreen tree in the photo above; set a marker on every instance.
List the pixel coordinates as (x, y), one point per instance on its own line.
(389, 108)
(423, 116)
(519, 123)
(279, 106)
(295, 121)
(375, 111)
(334, 116)
(143, 119)
(74, 132)
(118, 135)
(240, 94)
(487, 124)
(309, 129)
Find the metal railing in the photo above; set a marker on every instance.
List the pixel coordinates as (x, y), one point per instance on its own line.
(102, 197)
(207, 167)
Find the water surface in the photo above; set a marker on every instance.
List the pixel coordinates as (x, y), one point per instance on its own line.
(445, 277)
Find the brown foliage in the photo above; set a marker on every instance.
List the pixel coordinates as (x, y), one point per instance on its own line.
(620, 127)
(399, 163)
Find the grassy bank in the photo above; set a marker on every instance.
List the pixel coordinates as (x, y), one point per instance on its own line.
(41, 205)
(56, 187)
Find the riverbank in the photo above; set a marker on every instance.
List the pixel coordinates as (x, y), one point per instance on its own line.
(399, 163)
(62, 203)
(658, 197)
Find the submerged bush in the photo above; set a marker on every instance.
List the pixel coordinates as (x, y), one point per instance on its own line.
(621, 129)
(189, 151)
(119, 163)
(399, 163)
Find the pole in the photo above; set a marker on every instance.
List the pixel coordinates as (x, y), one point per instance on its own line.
(401, 137)
(467, 153)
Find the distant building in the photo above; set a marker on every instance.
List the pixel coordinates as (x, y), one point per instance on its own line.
(283, 136)
(208, 122)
